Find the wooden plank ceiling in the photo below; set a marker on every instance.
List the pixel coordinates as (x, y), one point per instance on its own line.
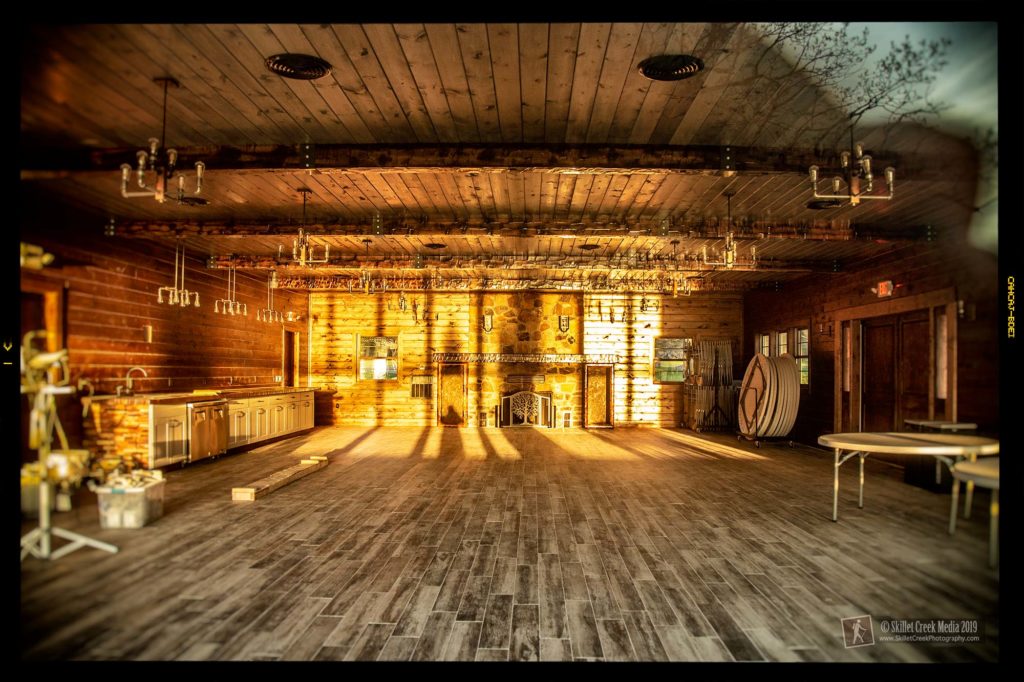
(88, 90)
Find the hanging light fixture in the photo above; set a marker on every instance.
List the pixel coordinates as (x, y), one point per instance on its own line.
(268, 314)
(857, 183)
(178, 294)
(728, 255)
(302, 251)
(157, 166)
(229, 306)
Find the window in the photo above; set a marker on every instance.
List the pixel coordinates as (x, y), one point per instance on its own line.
(800, 353)
(422, 386)
(671, 360)
(781, 343)
(764, 342)
(378, 358)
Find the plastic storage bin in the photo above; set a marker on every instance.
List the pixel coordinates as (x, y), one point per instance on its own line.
(131, 507)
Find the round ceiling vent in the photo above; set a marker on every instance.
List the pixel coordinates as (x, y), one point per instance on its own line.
(301, 67)
(434, 245)
(193, 201)
(670, 67)
(824, 204)
(589, 247)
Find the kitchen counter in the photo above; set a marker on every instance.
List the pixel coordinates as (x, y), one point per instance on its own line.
(182, 397)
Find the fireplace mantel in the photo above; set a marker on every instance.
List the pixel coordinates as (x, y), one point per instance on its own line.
(535, 358)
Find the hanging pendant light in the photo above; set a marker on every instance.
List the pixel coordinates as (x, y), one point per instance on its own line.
(156, 167)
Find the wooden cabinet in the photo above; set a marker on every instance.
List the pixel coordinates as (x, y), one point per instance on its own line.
(270, 416)
(306, 410)
(168, 434)
(291, 417)
(259, 419)
(276, 408)
(239, 423)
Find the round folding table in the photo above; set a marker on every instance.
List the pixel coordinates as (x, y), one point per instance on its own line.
(948, 448)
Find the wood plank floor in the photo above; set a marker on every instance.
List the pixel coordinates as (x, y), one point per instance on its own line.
(426, 544)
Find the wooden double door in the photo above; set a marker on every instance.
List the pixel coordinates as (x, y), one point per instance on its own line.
(898, 370)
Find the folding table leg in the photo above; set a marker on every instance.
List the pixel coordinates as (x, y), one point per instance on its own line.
(953, 505)
(993, 529)
(835, 488)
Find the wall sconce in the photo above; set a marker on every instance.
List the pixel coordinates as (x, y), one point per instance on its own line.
(648, 306)
(488, 322)
(563, 323)
(147, 331)
(822, 329)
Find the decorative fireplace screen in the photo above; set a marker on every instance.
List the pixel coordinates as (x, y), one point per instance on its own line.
(526, 408)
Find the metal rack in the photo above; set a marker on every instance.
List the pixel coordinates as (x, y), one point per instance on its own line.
(710, 405)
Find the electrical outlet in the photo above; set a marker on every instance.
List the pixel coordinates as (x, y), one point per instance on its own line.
(277, 377)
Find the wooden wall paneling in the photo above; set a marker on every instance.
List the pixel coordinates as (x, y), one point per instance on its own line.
(503, 43)
(929, 275)
(593, 44)
(951, 378)
(681, 39)
(236, 41)
(476, 59)
(638, 400)
(563, 43)
(533, 70)
(619, 59)
(334, 101)
(111, 295)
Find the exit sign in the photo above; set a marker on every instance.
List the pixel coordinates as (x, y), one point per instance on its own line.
(884, 288)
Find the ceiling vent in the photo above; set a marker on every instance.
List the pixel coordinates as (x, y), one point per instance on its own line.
(301, 67)
(670, 67)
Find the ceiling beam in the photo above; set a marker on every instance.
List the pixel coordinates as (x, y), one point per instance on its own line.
(698, 228)
(355, 284)
(626, 266)
(578, 158)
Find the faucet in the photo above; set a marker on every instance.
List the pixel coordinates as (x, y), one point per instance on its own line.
(128, 377)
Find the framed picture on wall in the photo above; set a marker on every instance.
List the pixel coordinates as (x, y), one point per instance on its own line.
(670, 360)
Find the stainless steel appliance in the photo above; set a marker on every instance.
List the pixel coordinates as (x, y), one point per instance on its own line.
(208, 429)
